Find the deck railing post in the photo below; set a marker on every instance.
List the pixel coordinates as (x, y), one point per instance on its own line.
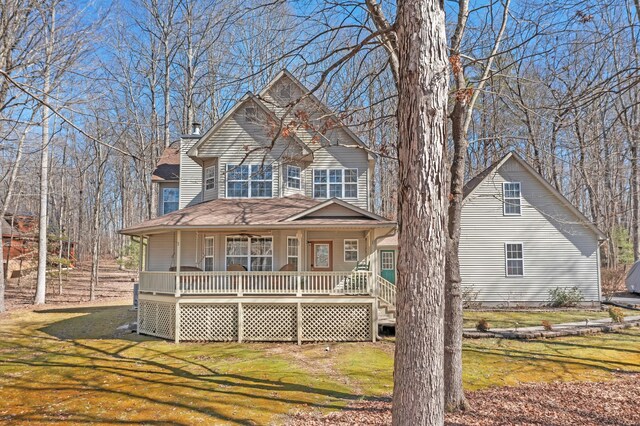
(178, 239)
(176, 333)
(298, 284)
(299, 318)
(240, 322)
(240, 283)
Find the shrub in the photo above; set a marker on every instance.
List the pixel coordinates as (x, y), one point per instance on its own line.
(469, 298)
(482, 325)
(565, 297)
(616, 314)
(547, 325)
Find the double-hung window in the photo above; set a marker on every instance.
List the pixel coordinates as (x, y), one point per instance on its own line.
(350, 250)
(511, 197)
(244, 181)
(170, 200)
(210, 178)
(514, 258)
(253, 253)
(208, 253)
(335, 183)
(293, 251)
(293, 177)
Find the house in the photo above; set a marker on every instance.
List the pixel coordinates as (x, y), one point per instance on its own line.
(520, 239)
(265, 229)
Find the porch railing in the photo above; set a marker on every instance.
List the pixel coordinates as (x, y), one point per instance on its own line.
(246, 283)
(385, 291)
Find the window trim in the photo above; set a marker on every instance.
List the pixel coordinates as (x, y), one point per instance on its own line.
(299, 178)
(212, 238)
(164, 199)
(344, 249)
(248, 255)
(328, 183)
(506, 259)
(229, 167)
(505, 199)
(207, 179)
(297, 256)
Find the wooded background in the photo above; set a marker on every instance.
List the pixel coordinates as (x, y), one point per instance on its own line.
(92, 92)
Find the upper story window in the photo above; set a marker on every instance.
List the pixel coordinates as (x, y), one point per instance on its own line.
(284, 91)
(350, 250)
(338, 183)
(210, 178)
(511, 197)
(249, 181)
(170, 200)
(293, 177)
(514, 259)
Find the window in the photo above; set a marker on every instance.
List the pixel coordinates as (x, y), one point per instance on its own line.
(251, 114)
(208, 253)
(170, 199)
(210, 178)
(293, 177)
(350, 250)
(515, 260)
(338, 183)
(254, 253)
(293, 251)
(245, 181)
(511, 197)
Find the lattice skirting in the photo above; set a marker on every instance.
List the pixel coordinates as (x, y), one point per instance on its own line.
(270, 322)
(210, 322)
(157, 318)
(335, 323)
(275, 322)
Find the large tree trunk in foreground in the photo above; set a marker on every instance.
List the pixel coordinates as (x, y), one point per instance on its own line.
(423, 89)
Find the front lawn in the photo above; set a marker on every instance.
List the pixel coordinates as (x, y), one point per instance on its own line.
(70, 366)
(524, 318)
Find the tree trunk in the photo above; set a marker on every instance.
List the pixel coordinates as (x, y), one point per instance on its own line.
(454, 392)
(422, 104)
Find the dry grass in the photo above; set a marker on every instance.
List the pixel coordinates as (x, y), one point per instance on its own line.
(69, 365)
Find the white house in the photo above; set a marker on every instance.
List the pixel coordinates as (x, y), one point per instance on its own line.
(521, 238)
(265, 231)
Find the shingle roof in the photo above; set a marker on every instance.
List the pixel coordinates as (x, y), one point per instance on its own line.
(168, 168)
(475, 181)
(248, 212)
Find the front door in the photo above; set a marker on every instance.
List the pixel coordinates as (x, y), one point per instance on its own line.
(388, 265)
(322, 256)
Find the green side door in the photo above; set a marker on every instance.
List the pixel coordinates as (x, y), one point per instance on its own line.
(388, 265)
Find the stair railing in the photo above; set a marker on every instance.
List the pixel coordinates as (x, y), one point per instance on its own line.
(386, 291)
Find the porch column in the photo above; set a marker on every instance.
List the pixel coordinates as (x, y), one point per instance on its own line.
(301, 261)
(178, 249)
(140, 259)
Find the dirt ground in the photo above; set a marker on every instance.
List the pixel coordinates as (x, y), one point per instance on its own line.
(113, 285)
(575, 403)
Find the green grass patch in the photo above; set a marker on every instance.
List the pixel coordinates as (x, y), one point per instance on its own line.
(70, 366)
(508, 319)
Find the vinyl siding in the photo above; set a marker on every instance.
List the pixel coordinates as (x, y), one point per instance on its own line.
(558, 250)
(161, 251)
(190, 176)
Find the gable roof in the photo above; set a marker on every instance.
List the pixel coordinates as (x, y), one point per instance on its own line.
(357, 211)
(474, 183)
(314, 99)
(193, 151)
(168, 167)
(252, 213)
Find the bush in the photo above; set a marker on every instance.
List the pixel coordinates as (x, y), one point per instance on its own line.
(547, 325)
(482, 325)
(616, 314)
(469, 298)
(565, 297)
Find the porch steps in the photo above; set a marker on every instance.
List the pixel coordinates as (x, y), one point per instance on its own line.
(386, 314)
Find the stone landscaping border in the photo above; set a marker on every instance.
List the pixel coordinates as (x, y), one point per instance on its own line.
(543, 334)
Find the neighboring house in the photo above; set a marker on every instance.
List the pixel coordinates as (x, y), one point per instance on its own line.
(265, 232)
(521, 238)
